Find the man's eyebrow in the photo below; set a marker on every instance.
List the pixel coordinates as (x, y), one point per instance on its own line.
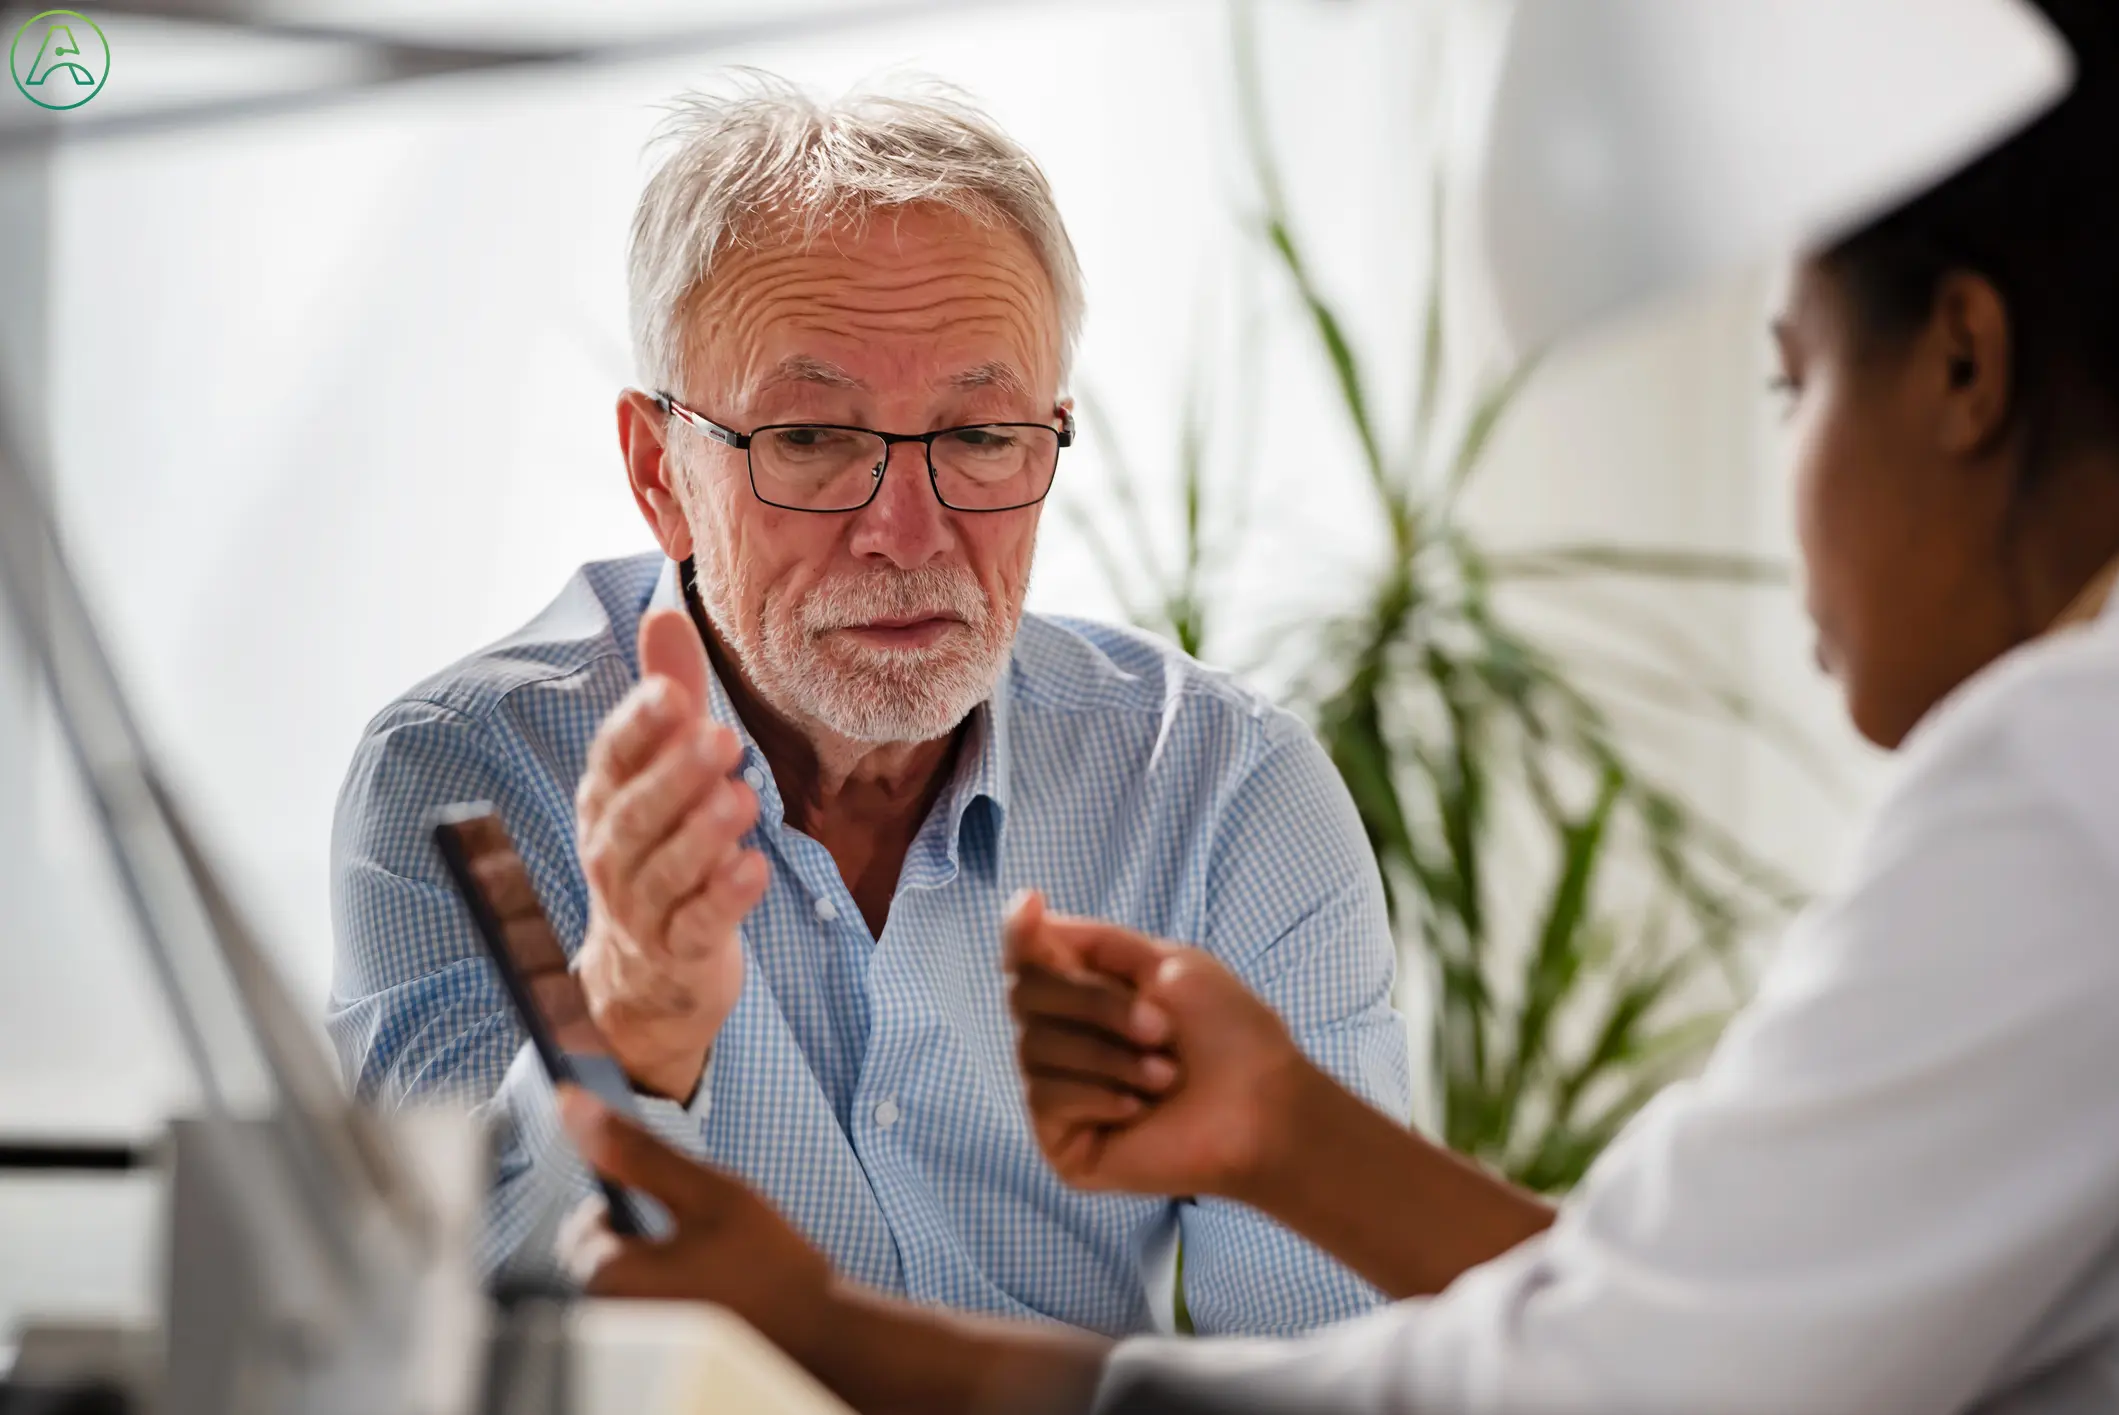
(801, 368)
(991, 375)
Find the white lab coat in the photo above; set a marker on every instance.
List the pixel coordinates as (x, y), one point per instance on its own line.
(1895, 1188)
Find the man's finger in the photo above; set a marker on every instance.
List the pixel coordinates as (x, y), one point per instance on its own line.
(714, 913)
(687, 860)
(670, 646)
(618, 1149)
(628, 739)
(646, 810)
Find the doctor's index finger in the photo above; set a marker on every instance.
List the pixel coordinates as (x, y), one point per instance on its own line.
(618, 1149)
(1023, 941)
(1080, 999)
(1105, 948)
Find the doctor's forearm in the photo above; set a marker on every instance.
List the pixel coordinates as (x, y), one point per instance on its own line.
(884, 1356)
(1404, 1213)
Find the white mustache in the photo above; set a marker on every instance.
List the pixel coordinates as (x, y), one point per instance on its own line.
(930, 592)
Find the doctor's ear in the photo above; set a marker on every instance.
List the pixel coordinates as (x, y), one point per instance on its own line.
(1971, 354)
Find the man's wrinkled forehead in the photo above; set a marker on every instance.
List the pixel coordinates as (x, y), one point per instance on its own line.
(808, 371)
(933, 299)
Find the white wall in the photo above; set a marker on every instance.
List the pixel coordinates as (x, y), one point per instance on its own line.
(332, 405)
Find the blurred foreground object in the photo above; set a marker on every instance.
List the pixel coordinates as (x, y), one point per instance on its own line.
(312, 1248)
(1637, 147)
(319, 1256)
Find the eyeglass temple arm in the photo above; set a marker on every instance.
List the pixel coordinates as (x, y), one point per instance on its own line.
(702, 424)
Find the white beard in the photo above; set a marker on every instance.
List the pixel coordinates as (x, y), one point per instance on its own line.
(803, 667)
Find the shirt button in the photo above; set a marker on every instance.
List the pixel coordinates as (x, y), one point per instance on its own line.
(826, 910)
(887, 1114)
(755, 777)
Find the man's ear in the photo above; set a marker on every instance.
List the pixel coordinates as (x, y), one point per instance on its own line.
(642, 427)
(1972, 362)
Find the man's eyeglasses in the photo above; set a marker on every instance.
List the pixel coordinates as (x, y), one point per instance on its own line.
(826, 467)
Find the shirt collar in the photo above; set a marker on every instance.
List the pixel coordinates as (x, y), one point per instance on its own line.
(981, 766)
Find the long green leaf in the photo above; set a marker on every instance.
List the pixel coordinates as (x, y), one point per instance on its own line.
(1110, 563)
(1643, 562)
(1617, 1037)
(1479, 432)
(1555, 963)
(1427, 393)
(1124, 495)
(1339, 350)
(1278, 229)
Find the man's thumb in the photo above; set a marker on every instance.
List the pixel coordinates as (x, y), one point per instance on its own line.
(670, 647)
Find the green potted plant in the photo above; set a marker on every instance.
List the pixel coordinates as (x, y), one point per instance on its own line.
(1453, 727)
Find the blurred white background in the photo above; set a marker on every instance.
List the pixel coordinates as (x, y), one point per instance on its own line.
(330, 404)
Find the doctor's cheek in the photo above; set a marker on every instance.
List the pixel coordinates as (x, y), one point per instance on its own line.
(1811, 457)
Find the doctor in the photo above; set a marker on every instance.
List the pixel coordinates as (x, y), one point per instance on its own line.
(1896, 1185)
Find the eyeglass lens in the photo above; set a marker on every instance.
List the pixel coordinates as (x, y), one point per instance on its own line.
(987, 468)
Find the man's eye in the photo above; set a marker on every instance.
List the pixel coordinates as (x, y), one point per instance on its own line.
(984, 439)
(814, 439)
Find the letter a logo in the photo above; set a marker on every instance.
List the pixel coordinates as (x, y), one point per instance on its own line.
(59, 59)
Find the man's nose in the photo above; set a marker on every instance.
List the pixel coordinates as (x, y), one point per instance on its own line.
(905, 524)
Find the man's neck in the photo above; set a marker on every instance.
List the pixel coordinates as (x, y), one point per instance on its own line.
(825, 778)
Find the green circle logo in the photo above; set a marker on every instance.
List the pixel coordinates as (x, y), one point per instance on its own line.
(59, 59)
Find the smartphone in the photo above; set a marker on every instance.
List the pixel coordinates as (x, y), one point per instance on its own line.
(490, 875)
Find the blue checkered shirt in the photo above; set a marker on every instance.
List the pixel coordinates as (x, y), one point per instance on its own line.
(868, 1086)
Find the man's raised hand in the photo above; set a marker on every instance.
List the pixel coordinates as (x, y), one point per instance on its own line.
(661, 823)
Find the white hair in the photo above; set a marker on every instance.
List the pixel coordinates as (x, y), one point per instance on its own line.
(767, 160)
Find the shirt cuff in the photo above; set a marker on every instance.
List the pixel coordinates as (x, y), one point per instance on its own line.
(681, 1127)
(533, 1108)
(541, 1175)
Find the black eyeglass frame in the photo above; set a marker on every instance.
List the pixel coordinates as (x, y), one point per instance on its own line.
(741, 442)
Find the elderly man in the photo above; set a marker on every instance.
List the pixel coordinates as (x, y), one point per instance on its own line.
(777, 782)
